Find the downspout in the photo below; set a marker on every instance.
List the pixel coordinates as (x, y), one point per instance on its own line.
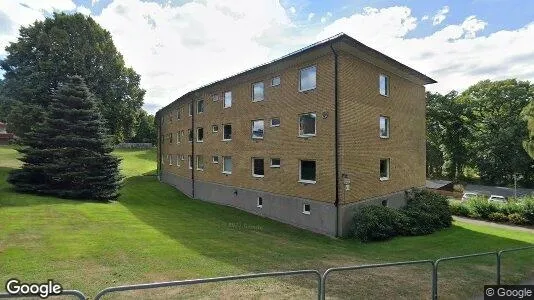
(336, 137)
(160, 144)
(193, 109)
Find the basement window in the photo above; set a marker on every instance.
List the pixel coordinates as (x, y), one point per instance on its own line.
(384, 169)
(306, 209)
(200, 163)
(260, 202)
(227, 165)
(190, 158)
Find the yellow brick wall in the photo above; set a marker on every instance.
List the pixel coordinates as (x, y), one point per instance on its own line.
(360, 106)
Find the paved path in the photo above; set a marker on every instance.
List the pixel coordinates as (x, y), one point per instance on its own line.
(497, 225)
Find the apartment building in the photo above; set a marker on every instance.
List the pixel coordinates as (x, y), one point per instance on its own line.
(304, 139)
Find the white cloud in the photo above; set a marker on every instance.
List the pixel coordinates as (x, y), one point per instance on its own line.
(424, 18)
(440, 15)
(293, 10)
(93, 2)
(326, 17)
(83, 10)
(310, 16)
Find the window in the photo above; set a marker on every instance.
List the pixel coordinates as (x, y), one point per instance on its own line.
(275, 81)
(383, 83)
(200, 106)
(275, 122)
(384, 202)
(308, 77)
(257, 91)
(227, 132)
(384, 169)
(384, 127)
(307, 124)
(178, 114)
(178, 139)
(170, 138)
(258, 169)
(169, 157)
(215, 128)
(190, 159)
(182, 157)
(227, 164)
(275, 162)
(260, 202)
(181, 135)
(200, 163)
(215, 159)
(190, 109)
(257, 129)
(307, 171)
(190, 135)
(227, 99)
(200, 135)
(215, 97)
(306, 209)
(177, 160)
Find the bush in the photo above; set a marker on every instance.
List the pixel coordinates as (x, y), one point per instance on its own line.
(528, 210)
(459, 209)
(481, 208)
(517, 219)
(425, 212)
(375, 223)
(498, 217)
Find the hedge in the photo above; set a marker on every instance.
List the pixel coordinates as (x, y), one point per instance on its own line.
(516, 211)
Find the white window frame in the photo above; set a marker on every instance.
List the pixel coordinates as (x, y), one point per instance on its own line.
(257, 175)
(213, 128)
(304, 211)
(262, 94)
(202, 140)
(215, 159)
(278, 165)
(271, 123)
(386, 118)
(386, 82)
(224, 133)
(223, 171)
(307, 181)
(198, 102)
(300, 78)
(224, 99)
(252, 129)
(182, 157)
(259, 202)
(279, 80)
(198, 159)
(190, 109)
(169, 157)
(177, 160)
(315, 125)
(178, 140)
(190, 160)
(388, 169)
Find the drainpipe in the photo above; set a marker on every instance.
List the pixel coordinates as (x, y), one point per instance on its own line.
(336, 138)
(160, 144)
(193, 161)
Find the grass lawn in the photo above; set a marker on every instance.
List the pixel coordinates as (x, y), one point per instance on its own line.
(155, 233)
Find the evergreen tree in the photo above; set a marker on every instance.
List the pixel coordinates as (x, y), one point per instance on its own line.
(69, 154)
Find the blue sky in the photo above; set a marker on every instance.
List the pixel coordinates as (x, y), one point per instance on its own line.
(179, 45)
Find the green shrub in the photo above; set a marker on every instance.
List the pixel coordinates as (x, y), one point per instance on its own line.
(481, 208)
(459, 209)
(511, 207)
(517, 219)
(528, 210)
(498, 217)
(424, 213)
(375, 223)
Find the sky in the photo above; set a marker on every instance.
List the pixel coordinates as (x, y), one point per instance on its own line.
(179, 45)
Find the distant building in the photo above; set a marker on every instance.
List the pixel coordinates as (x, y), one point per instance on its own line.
(303, 139)
(5, 137)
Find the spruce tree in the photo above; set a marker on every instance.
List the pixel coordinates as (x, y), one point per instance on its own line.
(69, 154)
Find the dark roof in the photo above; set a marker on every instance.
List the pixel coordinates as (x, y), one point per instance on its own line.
(341, 37)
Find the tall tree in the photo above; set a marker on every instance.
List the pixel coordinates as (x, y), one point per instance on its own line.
(69, 154)
(49, 51)
(528, 116)
(499, 130)
(146, 129)
(448, 133)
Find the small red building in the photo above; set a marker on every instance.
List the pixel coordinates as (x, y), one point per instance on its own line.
(5, 137)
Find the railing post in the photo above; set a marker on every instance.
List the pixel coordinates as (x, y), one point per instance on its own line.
(435, 280)
(499, 268)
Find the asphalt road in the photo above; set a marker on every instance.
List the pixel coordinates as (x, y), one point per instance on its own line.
(497, 190)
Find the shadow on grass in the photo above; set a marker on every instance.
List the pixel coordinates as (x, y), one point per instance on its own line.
(256, 244)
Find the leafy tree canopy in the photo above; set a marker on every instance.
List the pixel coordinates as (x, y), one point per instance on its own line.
(49, 51)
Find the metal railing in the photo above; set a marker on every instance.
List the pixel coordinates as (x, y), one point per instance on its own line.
(208, 280)
(321, 278)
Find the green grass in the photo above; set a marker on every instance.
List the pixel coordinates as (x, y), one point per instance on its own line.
(155, 233)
